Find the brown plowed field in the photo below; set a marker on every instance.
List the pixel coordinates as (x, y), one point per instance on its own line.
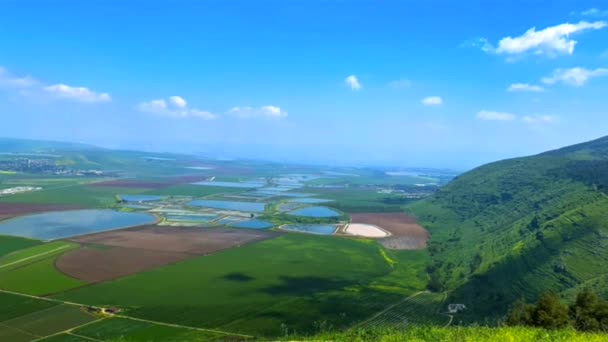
(96, 265)
(406, 233)
(15, 209)
(118, 253)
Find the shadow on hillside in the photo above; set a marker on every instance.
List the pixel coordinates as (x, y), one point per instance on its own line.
(238, 277)
(299, 286)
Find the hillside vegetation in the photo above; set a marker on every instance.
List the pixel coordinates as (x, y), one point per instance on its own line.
(458, 334)
(520, 227)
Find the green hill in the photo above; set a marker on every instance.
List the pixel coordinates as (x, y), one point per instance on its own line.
(520, 227)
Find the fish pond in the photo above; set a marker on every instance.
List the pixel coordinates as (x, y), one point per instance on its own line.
(317, 212)
(319, 229)
(253, 224)
(250, 207)
(64, 224)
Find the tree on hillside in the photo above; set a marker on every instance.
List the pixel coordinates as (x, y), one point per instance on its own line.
(550, 313)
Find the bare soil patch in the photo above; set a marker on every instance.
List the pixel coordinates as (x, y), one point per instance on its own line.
(94, 265)
(406, 233)
(197, 241)
(113, 254)
(16, 209)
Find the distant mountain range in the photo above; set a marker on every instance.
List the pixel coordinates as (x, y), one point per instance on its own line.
(520, 227)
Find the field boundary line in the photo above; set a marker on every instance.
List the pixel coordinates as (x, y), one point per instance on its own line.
(182, 326)
(35, 256)
(127, 317)
(389, 308)
(67, 331)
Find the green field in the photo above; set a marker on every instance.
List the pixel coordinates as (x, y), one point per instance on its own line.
(27, 319)
(27, 271)
(130, 330)
(10, 244)
(362, 201)
(264, 288)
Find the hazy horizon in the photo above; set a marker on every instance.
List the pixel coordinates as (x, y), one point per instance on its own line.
(411, 84)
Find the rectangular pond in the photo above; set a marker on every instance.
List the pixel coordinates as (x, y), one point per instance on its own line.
(319, 229)
(64, 224)
(250, 207)
(252, 224)
(317, 212)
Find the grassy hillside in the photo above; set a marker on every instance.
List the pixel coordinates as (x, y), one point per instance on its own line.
(460, 334)
(520, 227)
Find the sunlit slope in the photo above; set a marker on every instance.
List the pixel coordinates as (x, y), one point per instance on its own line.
(520, 227)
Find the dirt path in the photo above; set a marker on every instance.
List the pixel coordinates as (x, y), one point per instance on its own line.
(127, 317)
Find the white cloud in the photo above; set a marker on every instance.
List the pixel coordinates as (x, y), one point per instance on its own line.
(80, 94)
(176, 107)
(352, 82)
(272, 112)
(539, 119)
(525, 87)
(595, 12)
(178, 101)
(62, 91)
(432, 101)
(400, 84)
(495, 116)
(11, 81)
(575, 76)
(551, 41)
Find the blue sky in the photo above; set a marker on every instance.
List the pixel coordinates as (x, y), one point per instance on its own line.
(405, 83)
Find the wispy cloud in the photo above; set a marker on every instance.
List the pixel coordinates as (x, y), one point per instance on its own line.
(270, 112)
(9, 80)
(400, 84)
(432, 101)
(80, 94)
(539, 119)
(353, 82)
(175, 107)
(595, 13)
(59, 91)
(489, 115)
(575, 76)
(551, 41)
(525, 87)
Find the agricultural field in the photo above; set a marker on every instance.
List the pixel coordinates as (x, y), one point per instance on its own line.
(228, 250)
(288, 282)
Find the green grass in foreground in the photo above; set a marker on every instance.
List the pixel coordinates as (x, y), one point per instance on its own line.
(291, 283)
(458, 334)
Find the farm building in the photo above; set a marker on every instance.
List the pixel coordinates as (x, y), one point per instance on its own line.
(456, 308)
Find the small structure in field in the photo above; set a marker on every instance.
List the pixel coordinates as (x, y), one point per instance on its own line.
(456, 308)
(111, 310)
